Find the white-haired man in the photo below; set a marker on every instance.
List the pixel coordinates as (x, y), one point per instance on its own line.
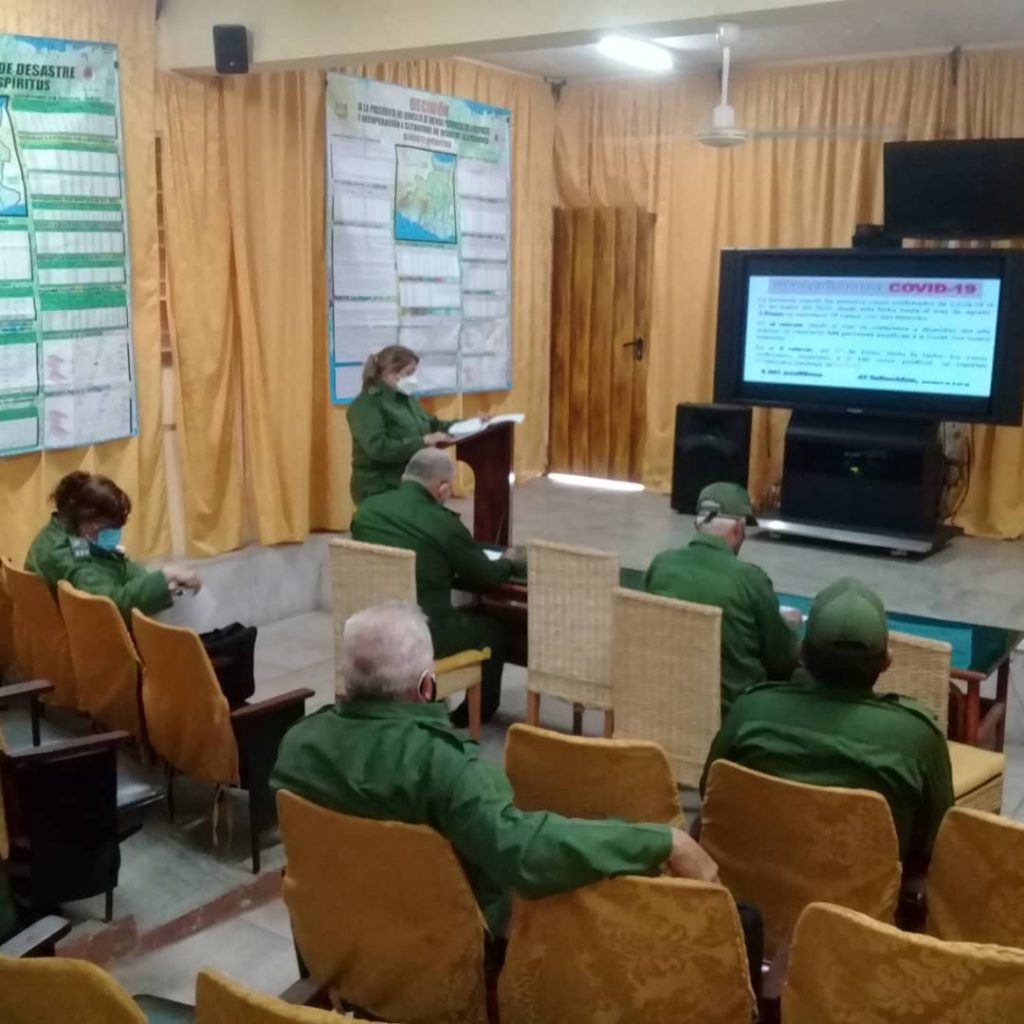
(387, 751)
(757, 642)
(415, 517)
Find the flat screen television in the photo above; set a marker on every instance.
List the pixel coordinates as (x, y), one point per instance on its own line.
(968, 189)
(927, 333)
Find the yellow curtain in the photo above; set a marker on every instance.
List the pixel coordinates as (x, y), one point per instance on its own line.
(202, 315)
(136, 464)
(244, 171)
(990, 104)
(634, 143)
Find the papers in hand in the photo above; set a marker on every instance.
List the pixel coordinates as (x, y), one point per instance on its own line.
(475, 424)
(197, 611)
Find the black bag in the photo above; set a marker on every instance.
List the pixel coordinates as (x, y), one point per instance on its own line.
(232, 652)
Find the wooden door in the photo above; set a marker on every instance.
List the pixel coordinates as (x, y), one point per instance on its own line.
(600, 334)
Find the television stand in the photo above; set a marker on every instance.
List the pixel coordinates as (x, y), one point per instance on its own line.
(863, 480)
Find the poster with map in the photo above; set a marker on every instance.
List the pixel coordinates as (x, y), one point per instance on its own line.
(418, 235)
(67, 369)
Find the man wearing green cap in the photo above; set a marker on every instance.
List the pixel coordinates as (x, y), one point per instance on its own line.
(828, 727)
(757, 643)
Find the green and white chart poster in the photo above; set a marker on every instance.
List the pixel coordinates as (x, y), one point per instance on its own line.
(418, 226)
(67, 373)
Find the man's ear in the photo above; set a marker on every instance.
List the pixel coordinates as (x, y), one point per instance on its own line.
(428, 687)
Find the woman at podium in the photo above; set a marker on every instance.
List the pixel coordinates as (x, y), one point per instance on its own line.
(388, 423)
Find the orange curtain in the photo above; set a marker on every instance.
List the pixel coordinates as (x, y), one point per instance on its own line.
(136, 464)
(202, 314)
(245, 177)
(808, 186)
(990, 104)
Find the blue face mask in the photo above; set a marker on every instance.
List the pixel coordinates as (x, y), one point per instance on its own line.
(109, 538)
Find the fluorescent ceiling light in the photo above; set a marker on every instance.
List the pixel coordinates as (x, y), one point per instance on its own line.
(597, 483)
(638, 53)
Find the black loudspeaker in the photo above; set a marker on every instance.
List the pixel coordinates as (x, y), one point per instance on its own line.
(231, 49)
(712, 444)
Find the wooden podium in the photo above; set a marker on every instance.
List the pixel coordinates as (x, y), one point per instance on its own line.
(488, 453)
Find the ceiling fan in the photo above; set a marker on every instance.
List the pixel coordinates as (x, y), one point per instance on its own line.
(724, 132)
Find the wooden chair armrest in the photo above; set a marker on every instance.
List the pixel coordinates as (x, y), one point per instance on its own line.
(306, 992)
(38, 939)
(33, 688)
(62, 748)
(272, 704)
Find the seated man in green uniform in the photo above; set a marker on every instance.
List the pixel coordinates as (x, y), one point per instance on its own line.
(757, 642)
(828, 727)
(415, 517)
(388, 752)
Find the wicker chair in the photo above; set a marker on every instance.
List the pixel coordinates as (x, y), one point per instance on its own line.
(363, 575)
(570, 628)
(920, 669)
(581, 777)
(666, 658)
(976, 879)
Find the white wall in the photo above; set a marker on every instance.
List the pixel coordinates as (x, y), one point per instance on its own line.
(331, 32)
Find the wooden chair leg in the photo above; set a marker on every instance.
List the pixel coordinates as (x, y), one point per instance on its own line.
(532, 708)
(609, 724)
(577, 719)
(473, 699)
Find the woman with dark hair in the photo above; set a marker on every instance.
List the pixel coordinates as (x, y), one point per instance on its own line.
(388, 423)
(82, 544)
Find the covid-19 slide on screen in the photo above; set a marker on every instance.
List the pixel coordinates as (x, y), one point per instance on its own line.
(923, 335)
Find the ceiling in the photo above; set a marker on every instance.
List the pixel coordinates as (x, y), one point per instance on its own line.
(874, 28)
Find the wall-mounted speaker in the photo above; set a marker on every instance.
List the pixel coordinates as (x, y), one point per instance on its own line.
(231, 49)
(712, 445)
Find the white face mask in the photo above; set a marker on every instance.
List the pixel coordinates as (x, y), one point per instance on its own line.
(407, 385)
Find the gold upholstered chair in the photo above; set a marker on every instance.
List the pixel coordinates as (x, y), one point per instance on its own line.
(42, 647)
(219, 1000)
(782, 845)
(107, 667)
(921, 669)
(382, 913)
(582, 777)
(363, 575)
(569, 622)
(844, 966)
(57, 990)
(666, 672)
(191, 727)
(976, 880)
(657, 950)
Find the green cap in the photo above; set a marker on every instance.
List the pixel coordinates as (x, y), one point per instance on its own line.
(847, 613)
(725, 499)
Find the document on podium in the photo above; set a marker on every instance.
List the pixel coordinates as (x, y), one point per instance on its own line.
(465, 428)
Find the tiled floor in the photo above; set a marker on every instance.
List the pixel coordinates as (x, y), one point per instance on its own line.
(169, 871)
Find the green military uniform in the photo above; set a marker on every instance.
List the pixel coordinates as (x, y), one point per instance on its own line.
(402, 761)
(410, 517)
(757, 645)
(810, 731)
(387, 431)
(57, 554)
